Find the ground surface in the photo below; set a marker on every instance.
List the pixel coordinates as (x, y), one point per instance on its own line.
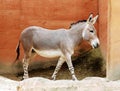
(42, 84)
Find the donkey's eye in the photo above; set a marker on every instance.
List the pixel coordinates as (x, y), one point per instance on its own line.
(91, 31)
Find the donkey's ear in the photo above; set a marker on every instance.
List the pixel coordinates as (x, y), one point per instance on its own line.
(90, 18)
(93, 20)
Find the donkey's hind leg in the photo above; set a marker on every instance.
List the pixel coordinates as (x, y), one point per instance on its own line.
(26, 60)
(59, 64)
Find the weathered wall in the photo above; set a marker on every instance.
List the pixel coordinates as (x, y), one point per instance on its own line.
(113, 67)
(15, 15)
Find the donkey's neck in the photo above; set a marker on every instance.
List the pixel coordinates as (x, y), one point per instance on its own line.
(75, 33)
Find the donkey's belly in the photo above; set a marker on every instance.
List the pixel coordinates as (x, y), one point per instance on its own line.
(49, 53)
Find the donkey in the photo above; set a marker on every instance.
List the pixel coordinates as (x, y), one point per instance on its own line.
(58, 43)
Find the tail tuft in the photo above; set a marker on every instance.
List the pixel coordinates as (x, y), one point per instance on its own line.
(18, 52)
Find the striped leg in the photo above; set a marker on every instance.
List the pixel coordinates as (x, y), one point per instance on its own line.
(25, 67)
(72, 73)
(59, 64)
(28, 57)
(70, 65)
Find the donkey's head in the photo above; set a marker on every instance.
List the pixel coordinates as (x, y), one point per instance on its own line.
(89, 33)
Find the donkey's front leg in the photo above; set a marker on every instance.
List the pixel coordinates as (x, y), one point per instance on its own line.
(70, 65)
(25, 67)
(59, 64)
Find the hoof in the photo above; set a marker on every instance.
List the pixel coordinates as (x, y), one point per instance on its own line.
(53, 78)
(22, 79)
(74, 78)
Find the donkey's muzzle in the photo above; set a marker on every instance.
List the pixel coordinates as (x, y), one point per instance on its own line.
(96, 46)
(95, 43)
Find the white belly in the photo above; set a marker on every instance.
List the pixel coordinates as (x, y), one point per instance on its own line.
(49, 53)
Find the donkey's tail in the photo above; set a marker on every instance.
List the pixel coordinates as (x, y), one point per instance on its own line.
(18, 52)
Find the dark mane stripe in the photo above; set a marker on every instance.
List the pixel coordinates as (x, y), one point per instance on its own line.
(77, 22)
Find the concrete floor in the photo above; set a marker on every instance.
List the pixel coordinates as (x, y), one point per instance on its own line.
(42, 84)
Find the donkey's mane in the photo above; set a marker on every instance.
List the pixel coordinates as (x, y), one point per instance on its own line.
(77, 22)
